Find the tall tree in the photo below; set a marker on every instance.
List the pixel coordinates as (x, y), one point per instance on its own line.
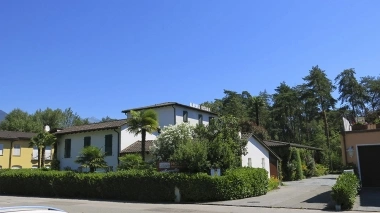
(321, 88)
(350, 91)
(372, 88)
(142, 122)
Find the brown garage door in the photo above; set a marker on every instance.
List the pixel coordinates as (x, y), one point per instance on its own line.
(369, 160)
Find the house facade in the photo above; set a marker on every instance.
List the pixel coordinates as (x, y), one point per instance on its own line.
(361, 147)
(15, 152)
(259, 155)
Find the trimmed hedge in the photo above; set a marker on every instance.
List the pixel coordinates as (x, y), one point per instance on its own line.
(135, 185)
(345, 190)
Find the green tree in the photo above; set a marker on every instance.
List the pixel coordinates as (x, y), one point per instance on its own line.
(321, 88)
(372, 88)
(142, 122)
(91, 157)
(18, 120)
(41, 141)
(350, 91)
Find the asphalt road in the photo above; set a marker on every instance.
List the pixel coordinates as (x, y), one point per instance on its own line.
(87, 206)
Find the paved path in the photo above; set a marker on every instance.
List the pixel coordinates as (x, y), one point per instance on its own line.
(87, 206)
(313, 193)
(368, 200)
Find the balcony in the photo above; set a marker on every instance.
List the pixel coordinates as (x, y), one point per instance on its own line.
(47, 157)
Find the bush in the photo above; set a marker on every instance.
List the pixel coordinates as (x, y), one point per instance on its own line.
(320, 170)
(293, 168)
(308, 163)
(132, 161)
(274, 183)
(345, 190)
(135, 185)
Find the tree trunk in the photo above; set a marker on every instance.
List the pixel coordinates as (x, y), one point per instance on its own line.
(257, 114)
(327, 137)
(39, 157)
(143, 136)
(43, 157)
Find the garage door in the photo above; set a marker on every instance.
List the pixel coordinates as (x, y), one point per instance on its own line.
(369, 165)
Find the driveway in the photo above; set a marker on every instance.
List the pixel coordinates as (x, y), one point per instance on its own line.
(312, 193)
(368, 200)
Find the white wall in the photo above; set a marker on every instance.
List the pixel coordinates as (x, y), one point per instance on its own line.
(77, 142)
(192, 115)
(256, 152)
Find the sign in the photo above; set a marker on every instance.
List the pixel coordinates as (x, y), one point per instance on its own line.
(169, 167)
(198, 106)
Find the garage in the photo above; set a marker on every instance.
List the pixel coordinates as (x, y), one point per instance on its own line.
(369, 161)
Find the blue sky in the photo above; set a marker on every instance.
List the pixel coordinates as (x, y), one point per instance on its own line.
(100, 57)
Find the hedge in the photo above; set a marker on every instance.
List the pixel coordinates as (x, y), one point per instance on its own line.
(345, 190)
(135, 185)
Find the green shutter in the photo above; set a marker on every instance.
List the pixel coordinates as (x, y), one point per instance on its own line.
(108, 145)
(87, 141)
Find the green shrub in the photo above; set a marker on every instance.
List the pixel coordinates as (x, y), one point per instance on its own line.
(345, 190)
(320, 170)
(274, 183)
(135, 185)
(132, 161)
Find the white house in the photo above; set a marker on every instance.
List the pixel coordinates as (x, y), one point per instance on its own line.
(259, 155)
(113, 136)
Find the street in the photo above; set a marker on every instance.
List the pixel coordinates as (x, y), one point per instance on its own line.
(87, 206)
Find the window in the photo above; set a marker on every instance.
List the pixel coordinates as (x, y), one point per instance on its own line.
(249, 162)
(34, 167)
(48, 153)
(87, 141)
(185, 116)
(263, 162)
(210, 118)
(1, 149)
(108, 145)
(67, 148)
(200, 119)
(35, 153)
(16, 150)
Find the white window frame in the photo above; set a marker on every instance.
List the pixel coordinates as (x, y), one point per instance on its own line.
(1, 149)
(35, 153)
(249, 162)
(14, 153)
(48, 153)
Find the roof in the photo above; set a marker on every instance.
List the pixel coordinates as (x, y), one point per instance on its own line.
(248, 135)
(272, 143)
(166, 104)
(92, 127)
(13, 135)
(136, 147)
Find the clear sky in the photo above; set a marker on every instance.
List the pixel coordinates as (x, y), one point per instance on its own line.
(101, 57)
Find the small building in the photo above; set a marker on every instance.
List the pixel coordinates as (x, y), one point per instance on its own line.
(15, 152)
(361, 147)
(259, 155)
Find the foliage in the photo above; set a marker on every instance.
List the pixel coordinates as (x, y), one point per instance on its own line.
(308, 163)
(292, 168)
(193, 154)
(55, 164)
(274, 183)
(132, 161)
(320, 170)
(142, 122)
(169, 140)
(135, 185)
(91, 157)
(345, 190)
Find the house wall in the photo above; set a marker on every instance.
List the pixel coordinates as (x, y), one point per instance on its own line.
(77, 144)
(357, 138)
(24, 160)
(256, 152)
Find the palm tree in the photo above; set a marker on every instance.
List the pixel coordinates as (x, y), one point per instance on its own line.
(41, 141)
(142, 122)
(91, 157)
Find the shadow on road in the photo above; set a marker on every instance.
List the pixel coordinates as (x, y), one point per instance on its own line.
(323, 198)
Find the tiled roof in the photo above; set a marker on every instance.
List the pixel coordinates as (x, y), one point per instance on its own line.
(136, 147)
(165, 105)
(13, 135)
(92, 127)
(271, 143)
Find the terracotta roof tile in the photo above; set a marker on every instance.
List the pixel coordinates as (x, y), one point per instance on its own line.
(136, 147)
(92, 127)
(13, 135)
